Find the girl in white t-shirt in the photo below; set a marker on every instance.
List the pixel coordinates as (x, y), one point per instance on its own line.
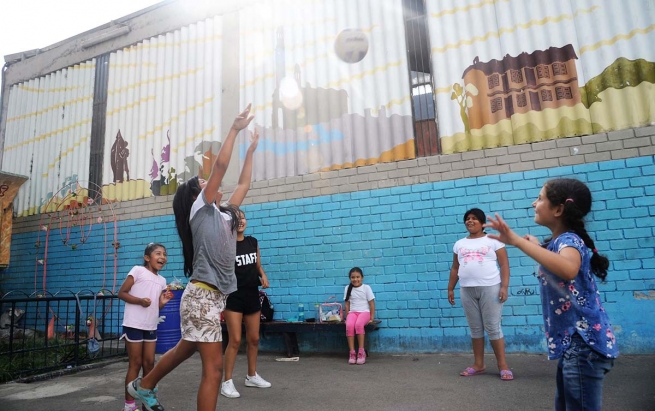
(483, 290)
(141, 288)
(360, 310)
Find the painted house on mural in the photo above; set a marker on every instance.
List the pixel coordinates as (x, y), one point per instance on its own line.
(544, 79)
(381, 123)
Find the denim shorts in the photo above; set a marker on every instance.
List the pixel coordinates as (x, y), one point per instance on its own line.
(580, 375)
(136, 335)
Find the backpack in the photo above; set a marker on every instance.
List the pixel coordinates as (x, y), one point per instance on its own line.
(267, 307)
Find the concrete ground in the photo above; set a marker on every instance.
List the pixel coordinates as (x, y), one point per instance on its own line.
(327, 383)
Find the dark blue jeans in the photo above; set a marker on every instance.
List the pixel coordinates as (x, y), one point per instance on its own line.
(580, 375)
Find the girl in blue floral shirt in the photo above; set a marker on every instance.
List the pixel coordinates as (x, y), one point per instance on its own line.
(578, 329)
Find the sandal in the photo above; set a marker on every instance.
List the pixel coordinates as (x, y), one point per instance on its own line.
(506, 375)
(470, 371)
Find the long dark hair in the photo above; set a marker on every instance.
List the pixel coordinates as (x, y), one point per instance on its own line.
(576, 198)
(350, 286)
(185, 195)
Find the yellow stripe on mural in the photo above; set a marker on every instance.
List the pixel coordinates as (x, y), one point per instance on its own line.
(182, 112)
(51, 166)
(257, 80)
(447, 89)
(394, 102)
(154, 80)
(585, 11)
(506, 30)
(48, 135)
(128, 65)
(50, 90)
(616, 38)
(261, 107)
(466, 8)
(365, 73)
(193, 138)
(45, 110)
(130, 105)
(306, 44)
(164, 44)
(304, 23)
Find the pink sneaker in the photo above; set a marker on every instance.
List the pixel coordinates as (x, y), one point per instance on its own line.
(361, 357)
(351, 360)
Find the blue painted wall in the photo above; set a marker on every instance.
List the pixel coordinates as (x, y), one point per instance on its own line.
(402, 237)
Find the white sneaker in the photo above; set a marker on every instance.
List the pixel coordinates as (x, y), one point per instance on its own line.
(228, 390)
(257, 381)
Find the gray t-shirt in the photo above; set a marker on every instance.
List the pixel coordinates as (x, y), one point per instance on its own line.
(214, 246)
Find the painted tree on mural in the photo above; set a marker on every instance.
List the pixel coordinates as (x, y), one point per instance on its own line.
(464, 101)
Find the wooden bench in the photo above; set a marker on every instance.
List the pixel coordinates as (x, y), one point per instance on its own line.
(290, 330)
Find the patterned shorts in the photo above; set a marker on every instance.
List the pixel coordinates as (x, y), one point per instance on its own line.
(200, 314)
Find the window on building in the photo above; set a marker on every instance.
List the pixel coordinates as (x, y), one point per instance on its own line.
(521, 100)
(559, 69)
(563, 93)
(546, 95)
(543, 71)
(496, 104)
(493, 81)
(418, 56)
(516, 75)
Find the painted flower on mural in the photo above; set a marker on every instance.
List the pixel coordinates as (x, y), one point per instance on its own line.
(462, 95)
(167, 181)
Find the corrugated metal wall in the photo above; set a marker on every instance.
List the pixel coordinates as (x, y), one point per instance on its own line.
(47, 134)
(607, 46)
(163, 111)
(317, 111)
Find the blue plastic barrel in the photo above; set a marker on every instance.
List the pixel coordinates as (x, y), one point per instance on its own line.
(169, 332)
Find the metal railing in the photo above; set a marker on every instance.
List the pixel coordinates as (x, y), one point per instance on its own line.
(43, 332)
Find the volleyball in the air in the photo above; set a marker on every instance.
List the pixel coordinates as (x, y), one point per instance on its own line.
(351, 45)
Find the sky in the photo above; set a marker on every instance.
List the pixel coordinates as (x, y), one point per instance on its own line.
(33, 24)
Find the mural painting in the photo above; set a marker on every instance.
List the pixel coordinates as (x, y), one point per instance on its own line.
(334, 96)
(568, 68)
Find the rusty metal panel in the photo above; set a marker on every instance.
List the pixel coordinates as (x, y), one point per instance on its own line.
(510, 71)
(329, 83)
(48, 134)
(163, 118)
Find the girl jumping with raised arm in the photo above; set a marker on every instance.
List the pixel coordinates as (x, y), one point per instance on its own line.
(208, 233)
(578, 330)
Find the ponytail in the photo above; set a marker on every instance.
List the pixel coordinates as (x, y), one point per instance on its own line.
(576, 198)
(599, 263)
(350, 290)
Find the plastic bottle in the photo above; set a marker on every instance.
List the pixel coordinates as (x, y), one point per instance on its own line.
(301, 312)
(317, 314)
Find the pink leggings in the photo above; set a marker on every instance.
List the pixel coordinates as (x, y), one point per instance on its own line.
(355, 322)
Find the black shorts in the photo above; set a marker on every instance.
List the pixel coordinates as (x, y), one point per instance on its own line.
(244, 300)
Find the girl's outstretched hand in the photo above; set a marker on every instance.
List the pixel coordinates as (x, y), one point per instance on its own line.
(505, 234)
(254, 140)
(243, 119)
